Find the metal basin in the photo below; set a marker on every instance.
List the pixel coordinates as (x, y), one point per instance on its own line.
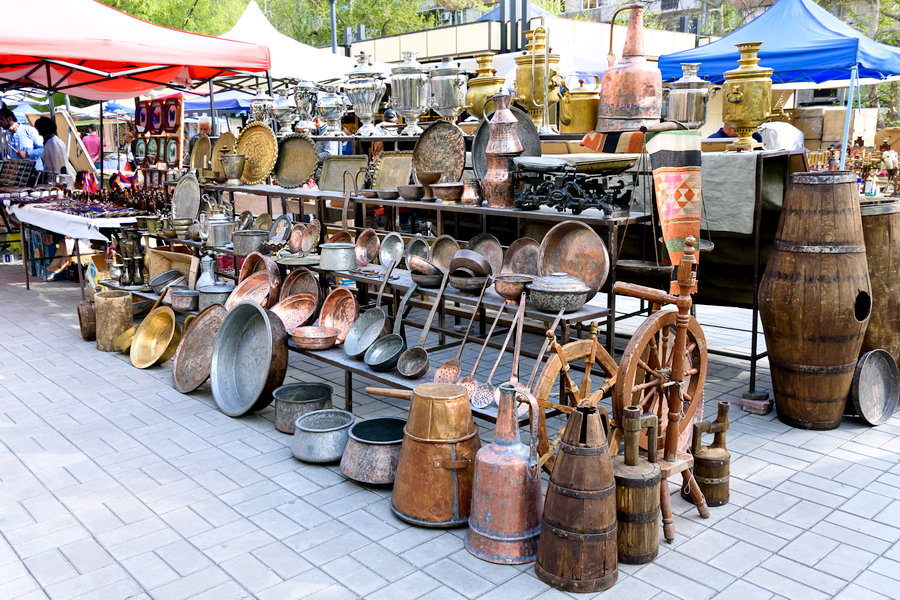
(165, 279)
(214, 294)
(392, 249)
(384, 353)
(321, 436)
(296, 399)
(373, 450)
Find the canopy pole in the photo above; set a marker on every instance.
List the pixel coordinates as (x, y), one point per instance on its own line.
(854, 75)
(101, 145)
(269, 82)
(212, 108)
(333, 28)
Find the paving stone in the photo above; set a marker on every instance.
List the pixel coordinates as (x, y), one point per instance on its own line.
(808, 548)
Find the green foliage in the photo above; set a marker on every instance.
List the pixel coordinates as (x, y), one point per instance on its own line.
(209, 17)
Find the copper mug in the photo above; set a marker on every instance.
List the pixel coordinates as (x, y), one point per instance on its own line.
(471, 195)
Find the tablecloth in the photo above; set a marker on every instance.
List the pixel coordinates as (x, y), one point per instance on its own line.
(72, 226)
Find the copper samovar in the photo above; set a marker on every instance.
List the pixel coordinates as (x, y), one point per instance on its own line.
(748, 95)
(631, 94)
(537, 79)
(503, 144)
(484, 85)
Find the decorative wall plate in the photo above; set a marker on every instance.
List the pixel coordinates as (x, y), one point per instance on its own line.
(140, 151)
(259, 145)
(528, 134)
(223, 145)
(201, 151)
(441, 149)
(172, 152)
(156, 116)
(186, 198)
(391, 169)
(171, 113)
(141, 117)
(152, 151)
(280, 229)
(331, 178)
(297, 160)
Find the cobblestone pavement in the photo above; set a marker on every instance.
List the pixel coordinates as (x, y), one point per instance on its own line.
(113, 485)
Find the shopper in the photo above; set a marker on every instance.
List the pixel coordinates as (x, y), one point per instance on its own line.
(727, 131)
(93, 145)
(204, 127)
(54, 156)
(24, 140)
(325, 149)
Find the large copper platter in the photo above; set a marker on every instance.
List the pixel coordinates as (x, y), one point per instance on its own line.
(442, 251)
(300, 281)
(201, 152)
(256, 262)
(223, 145)
(297, 160)
(574, 248)
(296, 311)
(152, 337)
(489, 247)
(339, 310)
(255, 287)
(528, 135)
(258, 144)
(522, 257)
(331, 178)
(441, 149)
(391, 169)
(194, 355)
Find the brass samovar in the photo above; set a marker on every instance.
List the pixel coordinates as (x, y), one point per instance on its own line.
(484, 85)
(748, 95)
(537, 79)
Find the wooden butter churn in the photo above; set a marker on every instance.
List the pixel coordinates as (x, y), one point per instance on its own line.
(712, 464)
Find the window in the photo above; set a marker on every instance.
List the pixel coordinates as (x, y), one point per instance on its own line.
(594, 4)
(668, 5)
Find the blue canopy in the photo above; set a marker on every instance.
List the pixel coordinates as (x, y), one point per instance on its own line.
(801, 41)
(225, 101)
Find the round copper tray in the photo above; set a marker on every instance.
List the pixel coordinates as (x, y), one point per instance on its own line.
(201, 152)
(367, 247)
(310, 240)
(152, 337)
(194, 355)
(528, 135)
(522, 257)
(441, 149)
(256, 262)
(295, 237)
(223, 145)
(259, 146)
(574, 248)
(489, 247)
(300, 281)
(442, 251)
(255, 287)
(297, 160)
(296, 310)
(339, 310)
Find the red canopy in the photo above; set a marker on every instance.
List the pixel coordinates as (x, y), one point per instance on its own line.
(89, 50)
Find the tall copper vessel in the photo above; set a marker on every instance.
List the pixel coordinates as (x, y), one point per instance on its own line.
(503, 145)
(631, 94)
(506, 493)
(748, 97)
(484, 85)
(537, 79)
(433, 486)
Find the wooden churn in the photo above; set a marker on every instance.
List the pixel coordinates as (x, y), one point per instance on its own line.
(433, 486)
(577, 547)
(637, 491)
(712, 464)
(881, 230)
(114, 315)
(87, 320)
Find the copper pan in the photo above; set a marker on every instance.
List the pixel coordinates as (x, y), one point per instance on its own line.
(367, 247)
(256, 262)
(296, 310)
(255, 288)
(475, 262)
(574, 248)
(190, 367)
(300, 281)
(339, 310)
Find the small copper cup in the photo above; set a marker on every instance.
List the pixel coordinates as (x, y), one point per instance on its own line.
(471, 195)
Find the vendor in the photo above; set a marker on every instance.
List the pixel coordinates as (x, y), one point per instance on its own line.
(93, 145)
(204, 127)
(24, 140)
(54, 155)
(325, 149)
(727, 131)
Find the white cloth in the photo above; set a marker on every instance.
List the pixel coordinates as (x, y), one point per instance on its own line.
(72, 226)
(778, 135)
(889, 159)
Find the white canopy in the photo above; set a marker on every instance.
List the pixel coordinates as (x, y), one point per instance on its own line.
(290, 58)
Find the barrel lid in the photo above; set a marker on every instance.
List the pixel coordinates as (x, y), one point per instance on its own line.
(868, 209)
(823, 177)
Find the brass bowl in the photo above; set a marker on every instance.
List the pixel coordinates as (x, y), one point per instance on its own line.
(152, 337)
(411, 192)
(448, 193)
(123, 342)
(511, 285)
(315, 337)
(428, 177)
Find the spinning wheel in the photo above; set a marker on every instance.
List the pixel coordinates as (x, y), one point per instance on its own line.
(645, 374)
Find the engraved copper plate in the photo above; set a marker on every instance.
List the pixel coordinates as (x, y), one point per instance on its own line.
(201, 151)
(339, 310)
(522, 257)
(194, 355)
(391, 169)
(256, 262)
(489, 247)
(300, 281)
(223, 145)
(310, 240)
(528, 135)
(441, 149)
(295, 237)
(255, 287)
(331, 178)
(259, 146)
(296, 310)
(297, 160)
(574, 248)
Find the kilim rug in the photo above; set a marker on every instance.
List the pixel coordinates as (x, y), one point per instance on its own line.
(675, 163)
(625, 142)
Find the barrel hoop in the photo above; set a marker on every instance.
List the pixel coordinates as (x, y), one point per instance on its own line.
(584, 451)
(822, 178)
(589, 494)
(812, 368)
(598, 536)
(646, 517)
(430, 441)
(869, 209)
(711, 480)
(630, 482)
(806, 249)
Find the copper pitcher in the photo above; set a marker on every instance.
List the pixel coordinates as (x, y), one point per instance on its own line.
(433, 485)
(503, 144)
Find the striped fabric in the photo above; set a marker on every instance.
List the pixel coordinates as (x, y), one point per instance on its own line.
(623, 142)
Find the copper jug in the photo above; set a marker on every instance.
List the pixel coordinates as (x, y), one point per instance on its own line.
(631, 94)
(433, 486)
(503, 144)
(506, 492)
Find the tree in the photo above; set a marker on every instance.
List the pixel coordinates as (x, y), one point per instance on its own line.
(209, 17)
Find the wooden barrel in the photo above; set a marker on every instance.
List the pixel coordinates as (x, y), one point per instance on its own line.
(577, 548)
(87, 321)
(814, 299)
(114, 316)
(637, 511)
(881, 228)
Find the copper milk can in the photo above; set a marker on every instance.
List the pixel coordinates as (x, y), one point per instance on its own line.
(503, 145)
(433, 486)
(631, 94)
(506, 493)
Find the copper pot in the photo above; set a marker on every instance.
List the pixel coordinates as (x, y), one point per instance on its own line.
(558, 291)
(373, 451)
(510, 286)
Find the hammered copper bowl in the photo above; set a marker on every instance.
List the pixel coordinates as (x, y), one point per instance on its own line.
(300, 281)
(255, 288)
(511, 285)
(417, 246)
(315, 337)
(339, 311)
(471, 260)
(256, 262)
(466, 284)
(419, 265)
(448, 193)
(368, 193)
(367, 247)
(388, 194)
(184, 300)
(411, 193)
(295, 311)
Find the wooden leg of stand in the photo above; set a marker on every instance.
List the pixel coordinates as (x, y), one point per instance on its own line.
(665, 506)
(696, 494)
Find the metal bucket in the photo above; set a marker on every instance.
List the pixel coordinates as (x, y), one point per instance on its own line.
(321, 436)
(373, 450)
(214, 294)
(248, 241)
(296, 399)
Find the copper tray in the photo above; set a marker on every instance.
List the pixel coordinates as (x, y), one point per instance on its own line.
(489, 247)
(528, 135)
(310, 240)
(522, 257)
(441, 149)
(297, 160)
(331, 178)
(296, 310)
(259, 146)
(391, 169)
(295, 237)
(186, 198)
(223, 145)
(574, 248)
(255, 287)
(339, 310)
(256, 262)
(300, 281)
(442, 251)
(201, 152)
(194, 355)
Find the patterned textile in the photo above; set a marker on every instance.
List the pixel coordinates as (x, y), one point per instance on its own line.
(675, 163)
(89, 183)
(623, 142)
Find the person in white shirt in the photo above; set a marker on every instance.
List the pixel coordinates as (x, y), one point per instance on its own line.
(54, 156)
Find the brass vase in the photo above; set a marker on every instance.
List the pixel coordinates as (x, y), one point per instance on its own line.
(537, 79)
(484, 85)
(748, 95)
